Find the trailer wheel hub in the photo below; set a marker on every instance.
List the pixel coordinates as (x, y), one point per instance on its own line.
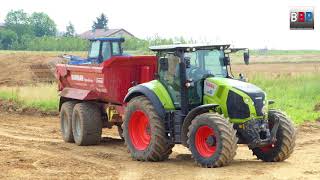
(139, 130)
(205, 141)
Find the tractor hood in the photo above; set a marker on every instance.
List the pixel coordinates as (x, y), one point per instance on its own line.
(232, 83)
(240, 101)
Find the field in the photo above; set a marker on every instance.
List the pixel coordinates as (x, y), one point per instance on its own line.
(31, 145)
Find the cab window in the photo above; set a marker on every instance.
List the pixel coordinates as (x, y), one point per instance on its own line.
(115, 48)
(94, 50)
(106, 51)
(169, 76)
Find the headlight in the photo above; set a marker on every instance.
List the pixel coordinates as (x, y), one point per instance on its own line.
(246, 100)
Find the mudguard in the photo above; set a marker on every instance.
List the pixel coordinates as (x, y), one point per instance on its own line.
(78, 94)
(142, 90)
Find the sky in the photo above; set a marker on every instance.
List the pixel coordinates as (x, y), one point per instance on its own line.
(247, 23)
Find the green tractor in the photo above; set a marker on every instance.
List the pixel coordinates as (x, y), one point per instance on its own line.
(196, 101)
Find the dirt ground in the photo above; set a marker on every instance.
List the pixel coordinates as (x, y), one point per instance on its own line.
(31, 147)
(15, 68)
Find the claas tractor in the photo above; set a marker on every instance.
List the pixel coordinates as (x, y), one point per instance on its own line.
(185, 94)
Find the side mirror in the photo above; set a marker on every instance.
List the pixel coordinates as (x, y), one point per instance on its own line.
(187, 60)
(246, 57)
(164, 65)
(242, 78)
(226, 60)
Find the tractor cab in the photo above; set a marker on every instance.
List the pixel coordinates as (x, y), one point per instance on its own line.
(183, 68)
(100, 50)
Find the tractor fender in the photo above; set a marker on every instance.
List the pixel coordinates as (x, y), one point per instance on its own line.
(141, 90)
(190, 116)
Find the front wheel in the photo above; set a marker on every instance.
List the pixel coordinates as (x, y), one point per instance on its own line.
(285, 140)
(212, 140)
(144, 131)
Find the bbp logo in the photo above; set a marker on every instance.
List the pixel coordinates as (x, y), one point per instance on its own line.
(302, 18)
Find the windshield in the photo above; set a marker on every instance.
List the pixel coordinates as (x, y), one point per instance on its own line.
(94, 50)
(204, 63)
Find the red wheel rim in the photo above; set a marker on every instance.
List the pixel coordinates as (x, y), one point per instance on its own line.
(139, 130)
(201, 141)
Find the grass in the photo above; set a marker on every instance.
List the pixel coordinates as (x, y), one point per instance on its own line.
(297, 95)
(42, 96)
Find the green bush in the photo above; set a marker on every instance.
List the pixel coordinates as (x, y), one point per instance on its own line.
(56, 44)
(7, 38)
(135, 44)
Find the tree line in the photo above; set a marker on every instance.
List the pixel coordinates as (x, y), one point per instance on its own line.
(38, 32)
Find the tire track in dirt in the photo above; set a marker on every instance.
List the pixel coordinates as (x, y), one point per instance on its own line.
(37, 151)
(6, 133)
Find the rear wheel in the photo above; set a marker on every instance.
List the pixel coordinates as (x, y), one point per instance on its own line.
(86, 124)
(212, 140)
(144, 131)
(284, 145)
(66, 120)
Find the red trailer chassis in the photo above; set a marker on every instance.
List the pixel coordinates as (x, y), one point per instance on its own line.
(107, 82)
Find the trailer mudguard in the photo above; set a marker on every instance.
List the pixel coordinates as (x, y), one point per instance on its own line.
(140, 90)
(191, 115)
(78, 94)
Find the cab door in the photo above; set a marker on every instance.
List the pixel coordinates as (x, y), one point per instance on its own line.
(169, 76)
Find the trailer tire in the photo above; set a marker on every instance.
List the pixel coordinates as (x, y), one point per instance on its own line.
(144, 131)
(66, 120)
(285, 143)
(212, 140)
(86, 124)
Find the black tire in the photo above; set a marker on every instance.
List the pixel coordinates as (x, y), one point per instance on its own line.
(224, 140)
(158, 148)
(285, 143)
(86, 124)
(66, 120)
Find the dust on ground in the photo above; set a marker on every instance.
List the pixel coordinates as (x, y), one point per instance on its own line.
(31, 147)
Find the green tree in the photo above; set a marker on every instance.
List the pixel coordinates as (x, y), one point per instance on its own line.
(19, 22)
(71, 32)
(23, 42)
(7, 38)
(42, 25)
(101, 23)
